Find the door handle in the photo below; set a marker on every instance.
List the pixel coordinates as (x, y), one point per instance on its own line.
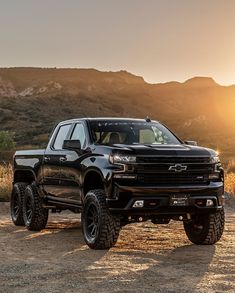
(63, 159)
(46, 159)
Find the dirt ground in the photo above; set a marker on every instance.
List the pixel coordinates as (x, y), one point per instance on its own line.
(147, 258)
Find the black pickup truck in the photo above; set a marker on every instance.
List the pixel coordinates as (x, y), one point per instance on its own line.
(116, 171)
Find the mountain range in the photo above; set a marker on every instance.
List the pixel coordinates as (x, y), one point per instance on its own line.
(33, 100)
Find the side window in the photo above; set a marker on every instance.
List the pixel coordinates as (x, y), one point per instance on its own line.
(61, 135)
(79, 134)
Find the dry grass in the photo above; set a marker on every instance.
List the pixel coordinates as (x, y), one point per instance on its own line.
(5, 181)
(230, 183)
(231, 166)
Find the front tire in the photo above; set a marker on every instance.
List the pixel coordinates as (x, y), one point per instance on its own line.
(17, 197)
(35, 215)
(100, 228)
(205, 229)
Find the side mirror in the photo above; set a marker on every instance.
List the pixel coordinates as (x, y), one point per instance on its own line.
(70, 144)
(191, 142)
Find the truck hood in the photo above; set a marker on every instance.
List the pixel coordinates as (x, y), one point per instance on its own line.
(164, 150)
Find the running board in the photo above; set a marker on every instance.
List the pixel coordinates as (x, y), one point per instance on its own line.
(54, 204)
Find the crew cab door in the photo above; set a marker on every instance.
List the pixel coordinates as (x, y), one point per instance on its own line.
(54, 153)
(71, 167)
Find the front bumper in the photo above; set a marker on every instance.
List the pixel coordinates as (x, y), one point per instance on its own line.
(159, 197)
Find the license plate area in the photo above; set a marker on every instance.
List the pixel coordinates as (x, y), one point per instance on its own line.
(179, 200)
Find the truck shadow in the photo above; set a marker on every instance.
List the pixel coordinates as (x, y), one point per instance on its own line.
(178, 270)
(59, 253)
(141, 267)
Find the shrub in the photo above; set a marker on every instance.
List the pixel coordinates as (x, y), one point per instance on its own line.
(7, 142)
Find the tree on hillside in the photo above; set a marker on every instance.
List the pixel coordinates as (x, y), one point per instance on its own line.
(7, 142)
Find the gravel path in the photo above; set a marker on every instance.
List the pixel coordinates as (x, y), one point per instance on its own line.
(147, 258)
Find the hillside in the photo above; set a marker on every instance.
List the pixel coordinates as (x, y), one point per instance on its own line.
(32, 100)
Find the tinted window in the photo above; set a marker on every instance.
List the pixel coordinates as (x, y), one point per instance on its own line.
(61, 135)
(79, 134)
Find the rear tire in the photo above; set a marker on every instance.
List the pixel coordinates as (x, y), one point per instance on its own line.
(100, 228)
(17, 197)
(35, 215)
(205, 229)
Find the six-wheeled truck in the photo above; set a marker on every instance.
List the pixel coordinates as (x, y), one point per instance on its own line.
(116, 171)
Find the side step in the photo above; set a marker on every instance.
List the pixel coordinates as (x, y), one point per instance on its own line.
(56, 204)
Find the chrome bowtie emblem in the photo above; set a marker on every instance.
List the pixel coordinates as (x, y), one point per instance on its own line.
(177, 168)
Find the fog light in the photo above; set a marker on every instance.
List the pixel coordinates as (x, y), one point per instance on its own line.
(209, 203)
(138, 204)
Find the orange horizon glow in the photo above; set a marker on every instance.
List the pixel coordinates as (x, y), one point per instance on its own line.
(161, 40)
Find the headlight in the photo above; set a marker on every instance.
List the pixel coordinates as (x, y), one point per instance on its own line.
(214, 176)
(214, 160)
(121, 159)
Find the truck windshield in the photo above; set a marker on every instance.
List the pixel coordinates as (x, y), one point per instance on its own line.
(130, 133)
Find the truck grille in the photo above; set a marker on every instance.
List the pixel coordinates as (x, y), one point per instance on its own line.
(155, 170)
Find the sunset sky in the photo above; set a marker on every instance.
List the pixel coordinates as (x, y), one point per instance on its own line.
(161, 40)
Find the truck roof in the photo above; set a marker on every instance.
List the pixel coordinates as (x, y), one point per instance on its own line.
(105, 119)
